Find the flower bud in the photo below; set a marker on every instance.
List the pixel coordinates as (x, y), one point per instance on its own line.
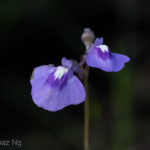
(87, 37)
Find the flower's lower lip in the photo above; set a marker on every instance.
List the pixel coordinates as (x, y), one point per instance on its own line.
(55, 94)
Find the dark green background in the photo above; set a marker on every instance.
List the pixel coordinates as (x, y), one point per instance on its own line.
(38, 32)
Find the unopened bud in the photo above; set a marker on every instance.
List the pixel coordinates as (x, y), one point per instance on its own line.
(87, 37)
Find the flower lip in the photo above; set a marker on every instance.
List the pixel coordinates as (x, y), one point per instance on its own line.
(55, 94)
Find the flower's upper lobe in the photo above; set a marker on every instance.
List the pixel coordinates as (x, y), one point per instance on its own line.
(101, 57)
(54, 88)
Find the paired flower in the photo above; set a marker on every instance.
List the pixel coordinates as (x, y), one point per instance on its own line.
(54, 88)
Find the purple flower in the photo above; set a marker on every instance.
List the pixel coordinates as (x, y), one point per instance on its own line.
(100, 56)
(54, 88)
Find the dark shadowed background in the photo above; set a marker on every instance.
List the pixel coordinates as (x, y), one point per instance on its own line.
(38, 32)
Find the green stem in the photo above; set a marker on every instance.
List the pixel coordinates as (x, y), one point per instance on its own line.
(86, 111)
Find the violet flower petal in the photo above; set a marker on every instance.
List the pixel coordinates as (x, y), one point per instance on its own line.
(40, 74)
(47, 94)
(113, 63)
(66, 62)
(98, 41)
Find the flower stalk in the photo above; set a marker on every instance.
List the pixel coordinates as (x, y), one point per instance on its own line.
(87, 38)
(86, 110)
